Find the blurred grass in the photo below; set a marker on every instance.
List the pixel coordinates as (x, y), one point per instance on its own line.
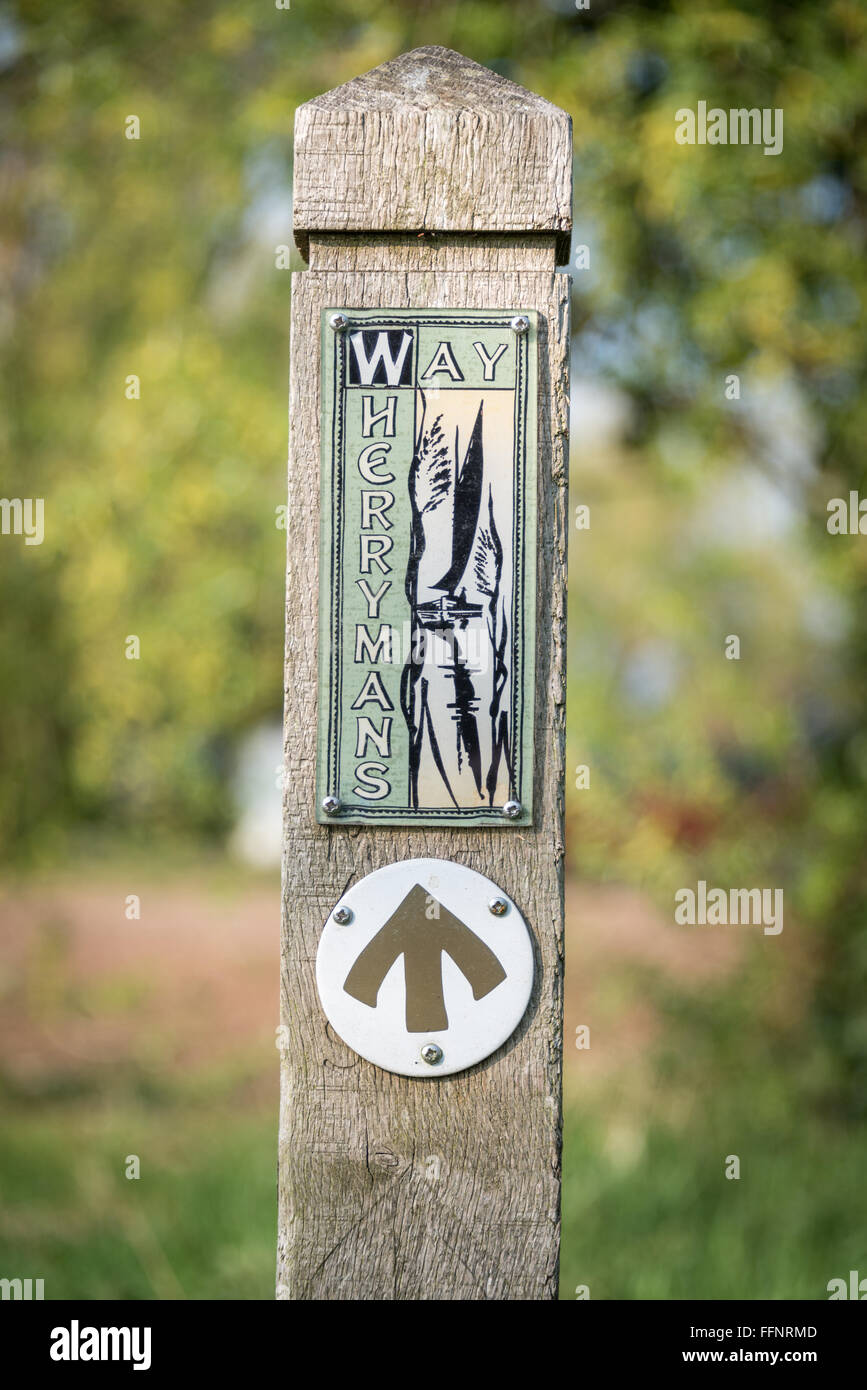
(647, 1209)
(646, 1214)
(651, 1215)
(200, 1222)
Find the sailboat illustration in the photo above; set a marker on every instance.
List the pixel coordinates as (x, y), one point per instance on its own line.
(453, 607)
(454, 679)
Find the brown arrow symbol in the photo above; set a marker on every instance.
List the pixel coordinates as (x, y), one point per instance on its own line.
(421, 940)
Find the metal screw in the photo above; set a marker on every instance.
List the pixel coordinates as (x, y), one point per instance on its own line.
(520, 323)
(512, 809)
(342, 915)
(431, 1054)
(330, 805)
(498, 906)
(339, 322)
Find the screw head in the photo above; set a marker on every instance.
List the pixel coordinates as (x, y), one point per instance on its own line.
(342, 915)
(512, 809)
(339, 322)
(498, 906)
(520, 323)
(330, 805)
(431, 1054)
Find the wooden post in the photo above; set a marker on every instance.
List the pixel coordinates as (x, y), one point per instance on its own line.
(429, 182)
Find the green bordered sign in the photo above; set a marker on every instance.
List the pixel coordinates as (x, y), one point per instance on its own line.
(427, 566)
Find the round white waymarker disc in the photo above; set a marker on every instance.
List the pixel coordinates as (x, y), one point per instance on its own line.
(424, 967)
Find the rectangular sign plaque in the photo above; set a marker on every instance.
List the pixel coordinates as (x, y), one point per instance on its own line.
(427, 566)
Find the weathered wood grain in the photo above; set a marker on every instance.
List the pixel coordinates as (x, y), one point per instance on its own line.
(430, 251)
(392, 1187)
(432, 141)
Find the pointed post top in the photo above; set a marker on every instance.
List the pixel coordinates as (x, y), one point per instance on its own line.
(432, 142)
(433, 76)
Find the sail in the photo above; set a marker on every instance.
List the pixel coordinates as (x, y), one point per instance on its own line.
(467, 501)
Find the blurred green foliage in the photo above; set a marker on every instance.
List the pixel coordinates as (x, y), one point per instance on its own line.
(200, 1221)
(654, 1217)
(157, 258)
